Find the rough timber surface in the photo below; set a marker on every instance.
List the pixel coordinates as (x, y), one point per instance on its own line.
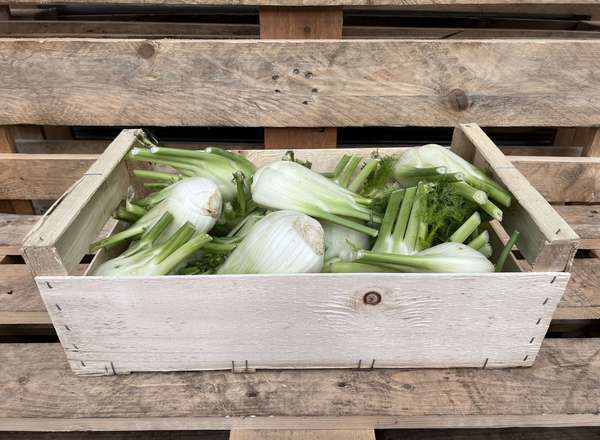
(413, 327)
(194, 82)
(561, 389)
(405, 3)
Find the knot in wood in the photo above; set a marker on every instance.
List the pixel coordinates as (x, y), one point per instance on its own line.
(146, 50)
(372, 298)
(458, 99)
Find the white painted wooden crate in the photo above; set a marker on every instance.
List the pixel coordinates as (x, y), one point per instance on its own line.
(245, 322)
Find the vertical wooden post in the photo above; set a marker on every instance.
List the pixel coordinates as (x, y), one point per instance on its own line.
(311, 23)
(7, 145)
(4, 12)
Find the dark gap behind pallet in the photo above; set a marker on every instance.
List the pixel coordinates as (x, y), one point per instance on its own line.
(348, 136)
(352, 16)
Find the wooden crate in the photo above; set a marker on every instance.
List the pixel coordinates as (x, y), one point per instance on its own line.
(241, 322)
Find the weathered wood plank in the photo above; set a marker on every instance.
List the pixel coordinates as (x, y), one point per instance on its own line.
(57, 243)
(131, 82)
(561, 389)
(585, 220)
(580, 301)
(241, 434)
(413, 3)
(564, 179)
(492, 434)
(7, 145)
(40, 176)
(18, 292)
(13, 228)
(126, 435)
(138, 29)
(582, 298)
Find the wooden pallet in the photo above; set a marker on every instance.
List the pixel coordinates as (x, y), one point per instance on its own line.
(560, 390)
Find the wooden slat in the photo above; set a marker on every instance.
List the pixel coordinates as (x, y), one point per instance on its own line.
(13, 228)
(558, 179)
(492, 434)
(57, 243)
(24, 306)
(582, 298)
(144, 29)
(342, 434)
(125, 29)
(131, 82)
(561, 389)
(546, 240)
(568, 4)
(562, 179)
(40, 176)
(7, 145)
(585, 220)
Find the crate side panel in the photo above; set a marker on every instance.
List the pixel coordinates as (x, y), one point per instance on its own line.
(302, 321)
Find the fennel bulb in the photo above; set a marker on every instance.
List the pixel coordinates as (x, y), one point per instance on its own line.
(213, 163)
(288, 185)
(147, 258)
(445, 257)
(195, 200)
(281, 242)
(435, 156)
(340, 239)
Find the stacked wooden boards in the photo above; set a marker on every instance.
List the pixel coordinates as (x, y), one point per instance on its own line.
(462, 88)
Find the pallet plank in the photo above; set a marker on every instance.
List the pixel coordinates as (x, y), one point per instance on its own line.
(582, 298)
(135, 29)
(24, 306)
(247, 434)
(48, 176)
(564, 5)
(561, 389)
(131, 82)
(585, 220)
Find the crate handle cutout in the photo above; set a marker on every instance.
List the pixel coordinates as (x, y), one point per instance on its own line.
(547, 241)
(58, 242)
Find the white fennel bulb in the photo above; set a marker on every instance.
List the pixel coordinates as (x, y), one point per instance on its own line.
(445, 257)
(339, 239)
(281, 242)
(288, 185)
(433, 155)
(193, 200)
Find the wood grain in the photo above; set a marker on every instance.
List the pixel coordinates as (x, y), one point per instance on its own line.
(498, 320)
(585, 221)
(309, 23)
(580, 301)
(565, 179)
(582, 298)
(13, 228)
(561, 389)
(61, 238)
(546, 240)
(561, 179)
(7, 145)
(240, 434)
(40, 176)
(506, 5)
(114, 81)
(493, 434)
(136, 29)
